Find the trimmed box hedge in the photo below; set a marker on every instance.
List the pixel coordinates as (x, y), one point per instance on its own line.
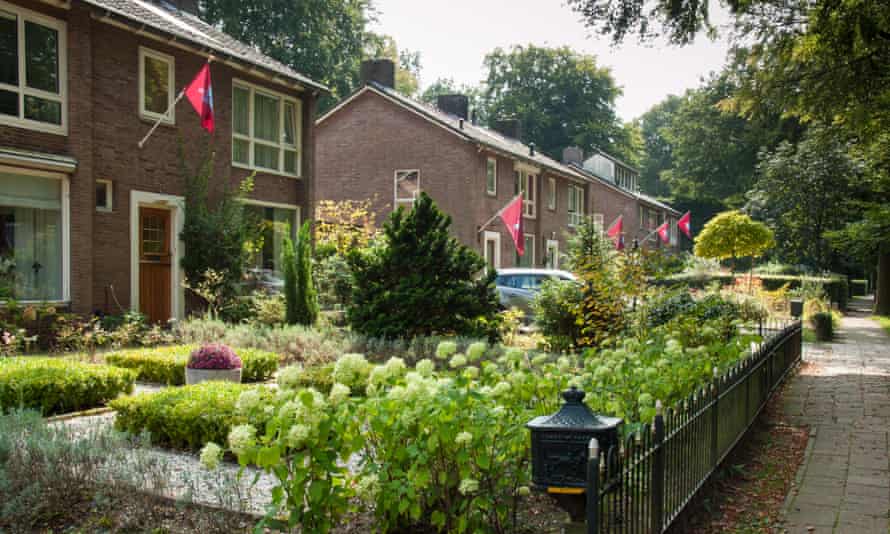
(835, 286)
(166, 365)
(56, 385)
(186, 417)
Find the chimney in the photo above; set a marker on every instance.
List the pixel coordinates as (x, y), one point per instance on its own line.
(381, 71)
(457, 105)
(510, 127)
(573, 154)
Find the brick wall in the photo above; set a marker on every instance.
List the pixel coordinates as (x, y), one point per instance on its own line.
(104, 130)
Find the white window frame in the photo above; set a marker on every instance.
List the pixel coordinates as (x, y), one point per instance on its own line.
(109, 196)
(599, 222)
(553, 258)
(551, 193)
(298, 213)
(22, 89)
(672, 231)
(170, 116)
(64, 179)
(528, 249)
(176, 205)
(492, 192)
(494, 237)
(395, 189)
(251, 139)
(575, 216)
(527, 179)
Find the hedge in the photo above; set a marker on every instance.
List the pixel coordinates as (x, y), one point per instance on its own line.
(836, 286)
(186, 417)
(56, 385)
(166, 365)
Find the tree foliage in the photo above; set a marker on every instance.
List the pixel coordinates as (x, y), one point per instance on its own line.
(562, 97)
(300, 295)
(421, 281)
(733, 235)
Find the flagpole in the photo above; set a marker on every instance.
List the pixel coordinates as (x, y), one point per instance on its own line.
(162, 117)
(496, 215)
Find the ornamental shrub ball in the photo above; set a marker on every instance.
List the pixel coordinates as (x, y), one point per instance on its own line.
(214, 356)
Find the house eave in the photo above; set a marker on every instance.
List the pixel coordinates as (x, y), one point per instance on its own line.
(37, 160)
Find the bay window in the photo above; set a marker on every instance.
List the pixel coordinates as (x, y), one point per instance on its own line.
(265, 130)
(32, 240)
(32, 70)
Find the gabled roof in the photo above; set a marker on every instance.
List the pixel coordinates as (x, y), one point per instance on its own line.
(167, 19)
(491, 139)
(655, 202)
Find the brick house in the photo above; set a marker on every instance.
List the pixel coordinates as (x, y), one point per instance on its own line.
(380, 145)
(87, 218)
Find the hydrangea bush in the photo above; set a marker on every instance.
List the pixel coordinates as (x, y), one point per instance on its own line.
(214, 356)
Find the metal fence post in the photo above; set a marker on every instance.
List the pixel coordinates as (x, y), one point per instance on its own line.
(658, 472)
(715, 417)
(593, 490)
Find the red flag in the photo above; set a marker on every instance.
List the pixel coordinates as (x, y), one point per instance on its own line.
(200, 94)
(663, 233)
(615, 232)
(684, 224)
(512, 217)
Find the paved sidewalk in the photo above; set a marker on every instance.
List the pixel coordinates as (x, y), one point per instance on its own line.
(843, 485)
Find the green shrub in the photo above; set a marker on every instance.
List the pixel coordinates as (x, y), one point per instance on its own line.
(186, 417)
(166, 365)
(835, 285)
(55, 385)
(822, 323)
(554, 309)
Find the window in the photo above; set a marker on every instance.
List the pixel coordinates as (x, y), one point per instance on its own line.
(551, 193)
(104, 195)
(156, 85)
(491, 176)
(265, 130)
(492, 250)
(407, 187)
(672, 231)
(552, 254)
(599, 222)
(525, 181)
(32, 70)
(528, 258)
(576, 205)
(278, 222)
(31, 237)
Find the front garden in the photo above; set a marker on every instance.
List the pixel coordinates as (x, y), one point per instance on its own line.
(401, 403)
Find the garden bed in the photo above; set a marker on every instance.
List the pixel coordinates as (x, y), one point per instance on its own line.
(56, 385)
(166, 365)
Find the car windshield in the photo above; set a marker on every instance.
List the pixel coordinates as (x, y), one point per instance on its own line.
(530, 282)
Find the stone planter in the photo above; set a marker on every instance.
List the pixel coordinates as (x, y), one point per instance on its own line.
(196, 376)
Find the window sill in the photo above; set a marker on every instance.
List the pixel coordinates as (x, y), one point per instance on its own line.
(104, 210)
(34, 126)
(260, 170)
(3, 303)
(151, 120)
(493, 194)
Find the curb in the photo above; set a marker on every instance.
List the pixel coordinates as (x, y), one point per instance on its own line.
(82, 413)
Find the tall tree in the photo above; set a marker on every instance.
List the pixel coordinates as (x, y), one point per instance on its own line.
(447, 86)
(323, 39)
(561, 96)
(657, 154)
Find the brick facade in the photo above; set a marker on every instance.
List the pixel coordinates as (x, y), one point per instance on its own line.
(104, 128)
(362, 144)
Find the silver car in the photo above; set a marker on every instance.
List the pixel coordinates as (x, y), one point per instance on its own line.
(517, 288)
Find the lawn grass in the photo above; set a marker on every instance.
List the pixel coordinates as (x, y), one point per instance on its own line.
(884, 321)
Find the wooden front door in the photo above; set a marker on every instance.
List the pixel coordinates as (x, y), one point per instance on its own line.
(154, 264)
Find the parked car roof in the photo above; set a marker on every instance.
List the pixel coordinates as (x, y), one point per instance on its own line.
(529, 270)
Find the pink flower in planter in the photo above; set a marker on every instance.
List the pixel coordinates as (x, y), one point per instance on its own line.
(214, 356)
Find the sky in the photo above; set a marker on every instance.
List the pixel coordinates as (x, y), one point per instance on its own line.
(454, 36)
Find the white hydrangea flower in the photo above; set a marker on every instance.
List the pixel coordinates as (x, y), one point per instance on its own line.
(211, 455)
(476, 350)
(446, 349)
(563, 364)
(501, 388)
(339, 393)
(458, 360)
(425, 367)
(471, 373)
(395, 367)
(368, 487)
(298, 435)
(351, 369)
(241, 438)
(523, 491)
(463, 438)
(539, 360)
(378, 375)
(398, 393)
(248, 401)
(498, 411)
(513, 354)
(467, 486)
(289, 377)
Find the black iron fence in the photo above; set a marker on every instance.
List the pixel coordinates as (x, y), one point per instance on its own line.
(645, 483)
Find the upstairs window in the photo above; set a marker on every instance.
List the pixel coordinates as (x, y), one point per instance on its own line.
(576, 205)
(525, 183)
(551, 194)
(407, 188)
(32, 70)
(491, 176)
(104, 195)
(599, 222)
(156, 85)
(265, 130)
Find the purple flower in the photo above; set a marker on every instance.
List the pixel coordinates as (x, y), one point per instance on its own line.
(214, 356)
